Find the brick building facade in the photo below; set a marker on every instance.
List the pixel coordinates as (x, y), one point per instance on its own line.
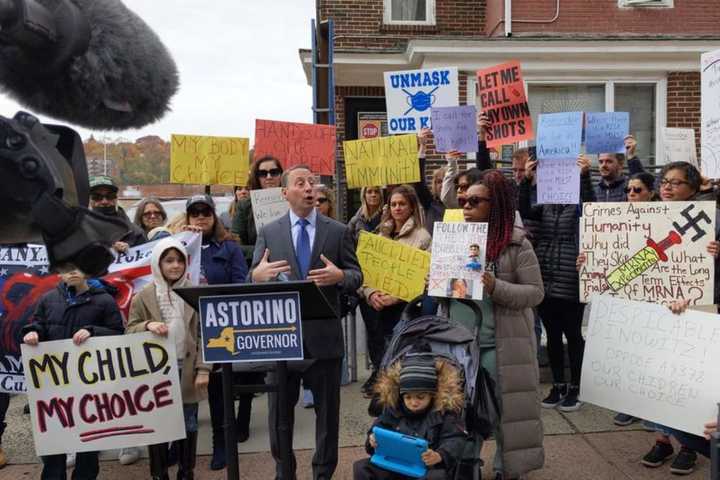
(640, 56)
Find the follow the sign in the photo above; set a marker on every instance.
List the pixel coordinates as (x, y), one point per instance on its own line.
(251, 327)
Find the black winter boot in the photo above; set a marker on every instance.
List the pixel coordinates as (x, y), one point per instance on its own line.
(158, 461)
(187, 450)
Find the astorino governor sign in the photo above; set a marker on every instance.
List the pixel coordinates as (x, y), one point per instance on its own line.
(251, 327)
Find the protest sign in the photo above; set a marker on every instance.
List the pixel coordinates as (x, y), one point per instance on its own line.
(650, 251)
(409, 95)
(501, 92)
(209, 160)
(372, 125)
(605, 132)
(558, 182)
(251, 328)
(458, 260)
(110, 392)
(710, 114)
(559, 135)
(268, 204)
(382, 161)
(678, 145)
(453, 215)
(25, 278)
(454, 128)
(645, 361)
(297, 144)
(392, 267)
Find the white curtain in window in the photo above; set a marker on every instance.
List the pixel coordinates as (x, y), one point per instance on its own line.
(409, 10)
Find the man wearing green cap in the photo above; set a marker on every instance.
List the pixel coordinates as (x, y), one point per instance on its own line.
(103, 199)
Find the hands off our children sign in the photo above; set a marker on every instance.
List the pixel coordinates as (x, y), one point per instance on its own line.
(110, 392)
(410, 95)
(649, 251)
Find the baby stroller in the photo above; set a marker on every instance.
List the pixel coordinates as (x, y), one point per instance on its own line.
(455, 343)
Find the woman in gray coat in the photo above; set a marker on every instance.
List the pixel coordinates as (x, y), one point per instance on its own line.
(512, 287)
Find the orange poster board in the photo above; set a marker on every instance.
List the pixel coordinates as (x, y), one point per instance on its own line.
(501, 95)
(297, 144)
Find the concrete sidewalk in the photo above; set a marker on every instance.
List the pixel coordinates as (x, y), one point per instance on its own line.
(579, 445)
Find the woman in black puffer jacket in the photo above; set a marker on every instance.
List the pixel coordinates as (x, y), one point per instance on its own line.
(561, 312)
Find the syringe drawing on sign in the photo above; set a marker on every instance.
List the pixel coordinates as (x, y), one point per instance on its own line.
(637, 264)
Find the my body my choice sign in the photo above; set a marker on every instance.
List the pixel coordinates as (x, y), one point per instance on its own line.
(251, 327)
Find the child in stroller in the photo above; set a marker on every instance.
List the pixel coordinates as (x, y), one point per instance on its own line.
(421, 395)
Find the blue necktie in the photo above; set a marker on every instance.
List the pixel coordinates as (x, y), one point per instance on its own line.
(302, 250)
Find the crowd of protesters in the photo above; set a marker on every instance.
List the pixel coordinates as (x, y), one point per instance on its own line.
(530, 281)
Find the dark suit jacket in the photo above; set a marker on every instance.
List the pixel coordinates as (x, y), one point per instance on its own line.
(322, 339)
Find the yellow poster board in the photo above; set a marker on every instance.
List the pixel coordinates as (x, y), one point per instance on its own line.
(453, 215)
(205, 160)
(392, 267)
(382, 161)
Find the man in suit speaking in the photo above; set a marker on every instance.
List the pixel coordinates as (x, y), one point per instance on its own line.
(306, 245)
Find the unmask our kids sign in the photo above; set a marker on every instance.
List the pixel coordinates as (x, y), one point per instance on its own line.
(251, 327)
(411, 94)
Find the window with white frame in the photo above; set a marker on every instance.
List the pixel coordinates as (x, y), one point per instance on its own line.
(409, 12)
(645, 3)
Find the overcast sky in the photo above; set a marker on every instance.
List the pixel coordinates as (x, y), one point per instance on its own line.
(238, 61)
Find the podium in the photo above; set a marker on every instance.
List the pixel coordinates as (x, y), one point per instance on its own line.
(314, 306)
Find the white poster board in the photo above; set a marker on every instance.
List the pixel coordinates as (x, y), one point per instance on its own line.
(710, 114)
(458, 260)
(642, 360)
(268, 204)
(78, 404)
(678, 145)
(649, 251)
(409, 96)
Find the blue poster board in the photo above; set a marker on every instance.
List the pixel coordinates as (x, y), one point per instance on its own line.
(605, 132)
(559, 135)
(251, 328)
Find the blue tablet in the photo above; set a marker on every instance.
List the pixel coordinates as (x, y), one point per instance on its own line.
(399, 453)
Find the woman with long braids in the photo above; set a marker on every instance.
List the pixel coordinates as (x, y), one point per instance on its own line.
(512, 286)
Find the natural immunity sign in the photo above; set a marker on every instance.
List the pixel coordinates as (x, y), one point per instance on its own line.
(251, 328)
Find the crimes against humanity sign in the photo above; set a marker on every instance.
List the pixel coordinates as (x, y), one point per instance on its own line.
(110, 392)
(251, 327)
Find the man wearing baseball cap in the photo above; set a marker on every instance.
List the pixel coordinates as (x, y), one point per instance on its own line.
(103, 199)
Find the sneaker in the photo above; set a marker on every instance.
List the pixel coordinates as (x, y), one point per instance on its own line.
(684, 462)
(572, 402)
(556, 395)
(129, 455)
(623, 420)
(367, 387)
(218, 462)
(70, 460)
(657, 455)
(648, 426)
(308, 401)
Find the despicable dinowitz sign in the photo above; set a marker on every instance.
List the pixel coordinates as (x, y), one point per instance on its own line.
(251, 328)
(411, 94)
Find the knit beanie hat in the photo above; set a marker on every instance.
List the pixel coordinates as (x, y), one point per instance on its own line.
(418, 374)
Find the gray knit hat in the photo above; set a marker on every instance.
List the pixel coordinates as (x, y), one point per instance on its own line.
(418, 374)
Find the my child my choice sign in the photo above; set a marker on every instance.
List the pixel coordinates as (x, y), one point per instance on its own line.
(251, 327)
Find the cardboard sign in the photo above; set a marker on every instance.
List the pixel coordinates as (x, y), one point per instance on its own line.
(605, 132)
(678, 145)
(268, 205)
(110, 392)
(409, 95)
(558, 182)
(454, 128)
(501, 93)
(710, 114)
(458, 260)
(392, 267)
(650, 251)
(297, 144)
(643, 360)
(559, 135)
(251, 328)
(209, 160)
(382, 161)
(25, 278)
(453, 215)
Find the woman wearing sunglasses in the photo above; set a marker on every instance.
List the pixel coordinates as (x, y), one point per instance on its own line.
(221, 262)
(324, 203)
(265, 172)
(149, 215)
(513, 286)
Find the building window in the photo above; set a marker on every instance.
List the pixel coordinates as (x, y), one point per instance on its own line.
(409, 12)
(645, 3)
(639, 101)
